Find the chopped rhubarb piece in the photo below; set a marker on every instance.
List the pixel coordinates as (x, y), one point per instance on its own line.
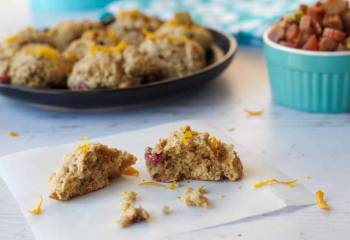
(153, 158)
(333, 21)
(311, 44)
(340, 47)
(317, 27)
(347, 43)
(303, 8)
(316, 12)
(335, 6)
(4, 79)
(346, 21)
(305, 23)
(288, 44)
(292, 32)
(276, 34)
(327, 44)
(334, 34)
(83, 86)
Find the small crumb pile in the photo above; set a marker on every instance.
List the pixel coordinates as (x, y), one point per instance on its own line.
(130, 214)
(196, 198)
(13, 134)
(166, 210)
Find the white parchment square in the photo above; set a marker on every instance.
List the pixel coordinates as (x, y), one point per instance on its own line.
(94, 216)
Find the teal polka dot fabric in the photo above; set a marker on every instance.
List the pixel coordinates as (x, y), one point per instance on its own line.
(246, 19)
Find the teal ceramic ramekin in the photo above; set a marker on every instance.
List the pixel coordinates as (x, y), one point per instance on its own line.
(309, 81)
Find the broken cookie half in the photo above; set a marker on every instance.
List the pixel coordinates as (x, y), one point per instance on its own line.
(187, 154)
(89, 168)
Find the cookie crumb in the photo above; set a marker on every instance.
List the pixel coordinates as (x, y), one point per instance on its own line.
(222, 196)
(13, 134)
(231, 129)
(130, 214)
(166, 210)
(196, 197)
(129, 196)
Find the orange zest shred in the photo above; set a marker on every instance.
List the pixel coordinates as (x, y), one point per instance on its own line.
(43, 51)
(254, 113)
(290, 184)
(13, 39)
(169, 37)
(37, 210)
(83, 149)
(187, 134)
(321, 202)
(13, 134)
(153, 184)
(95, 48)
(173, 185)
(214, 144)
(131, 171)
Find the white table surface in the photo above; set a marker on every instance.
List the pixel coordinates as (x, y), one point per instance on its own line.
(300, 144)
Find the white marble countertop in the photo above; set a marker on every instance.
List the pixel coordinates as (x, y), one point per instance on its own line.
(301, 144)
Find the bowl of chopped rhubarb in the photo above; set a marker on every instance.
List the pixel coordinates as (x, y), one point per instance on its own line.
(308, 58)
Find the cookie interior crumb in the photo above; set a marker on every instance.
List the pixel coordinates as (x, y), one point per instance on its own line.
(89, 168)
(166, 210)
(196, 198)
(130, 214)
(190, 155)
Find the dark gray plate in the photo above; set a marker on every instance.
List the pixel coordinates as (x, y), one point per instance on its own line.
(219, 58)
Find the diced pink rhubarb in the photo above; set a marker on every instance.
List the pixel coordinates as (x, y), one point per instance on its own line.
(5, 79)
(335, 6)
(153, 158)
(334, 34)
(305, 23)
(311, 44)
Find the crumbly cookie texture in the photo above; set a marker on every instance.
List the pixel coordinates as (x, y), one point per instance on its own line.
(183, 25)
(177, 56)
(38, 66)
(102, 67)
(196, 198)
(130, 24)
(80, 47)
(187, 154)
(64, 33)
(89, 168)
(131, 214)
(10, 45)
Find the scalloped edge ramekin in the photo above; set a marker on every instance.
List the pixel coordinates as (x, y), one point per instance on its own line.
(306, 80)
